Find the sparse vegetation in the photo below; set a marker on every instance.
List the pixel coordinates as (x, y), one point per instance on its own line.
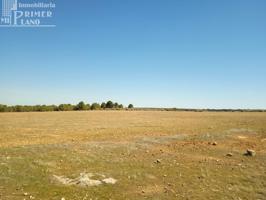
(81, 106)
(109, 105)
(149, 154)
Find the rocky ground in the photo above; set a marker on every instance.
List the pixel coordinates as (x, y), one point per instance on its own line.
(132, 155)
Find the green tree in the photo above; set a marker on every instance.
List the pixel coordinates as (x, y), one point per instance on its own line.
(64, 107)
(130, 106)
(88, 106)
(61, 107)
(55, 108)
(18, 108)
(3, 108)
(109, 104)
(103, 105)
(81, 106)
(43, 108)
(95, 106)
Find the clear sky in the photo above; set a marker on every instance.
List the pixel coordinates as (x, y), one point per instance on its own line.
(155, 53)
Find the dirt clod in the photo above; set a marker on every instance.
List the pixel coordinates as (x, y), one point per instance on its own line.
(158, 161)
(229, 155)
(250, 152)
(214, 143)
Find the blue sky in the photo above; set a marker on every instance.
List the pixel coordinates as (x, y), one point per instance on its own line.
(155, 53)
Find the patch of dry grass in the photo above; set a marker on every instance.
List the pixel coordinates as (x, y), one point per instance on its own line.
(126, 145)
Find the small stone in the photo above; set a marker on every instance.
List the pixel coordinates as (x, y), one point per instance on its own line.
(32, 197)
(109, 181)
(229, 155)
(158, 161)
(214, 143)
(250, 152)
(63, 198)
(26, 194)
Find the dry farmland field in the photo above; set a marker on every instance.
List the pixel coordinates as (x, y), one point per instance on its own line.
(132, 155)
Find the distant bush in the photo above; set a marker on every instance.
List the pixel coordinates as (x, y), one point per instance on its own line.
(130, 106)
(36, 108)
(109, 104)
(65, 107)
(95, 106)
(88, 106)
(3, 108)
(62, 107)
(81, 106)
(103, 105)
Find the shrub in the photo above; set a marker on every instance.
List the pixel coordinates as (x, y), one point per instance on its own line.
(130, 106)
(103, 105)
(63, 107)
(81, 106)
(109, 104)
(95, 106)
(3, 108)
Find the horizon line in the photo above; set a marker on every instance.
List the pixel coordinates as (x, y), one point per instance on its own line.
(151, 108)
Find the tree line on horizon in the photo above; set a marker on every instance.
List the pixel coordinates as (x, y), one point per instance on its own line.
(81, 106)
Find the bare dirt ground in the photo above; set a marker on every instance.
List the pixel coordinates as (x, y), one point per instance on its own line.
(132, 155)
